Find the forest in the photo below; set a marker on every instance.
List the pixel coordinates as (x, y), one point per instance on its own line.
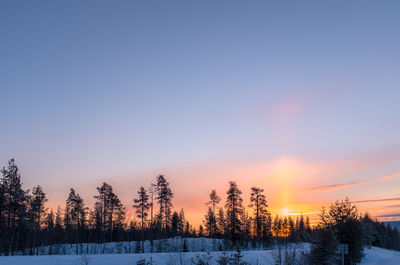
(27, 226)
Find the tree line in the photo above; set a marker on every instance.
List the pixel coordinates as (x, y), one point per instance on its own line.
(26, 225)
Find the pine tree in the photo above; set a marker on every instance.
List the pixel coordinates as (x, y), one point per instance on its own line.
(214, 200)
(110, 209)
(201, 231)
(14, 208)
(75, 212)
(164, 198)
(259, 205)
(37, 204)
(49, 228)
(221, 222)
(118, 224)
(96, 222)
(210, 221)
(58, 226)
(234, 209)
(301, 229)
(2, 217)
(142, 205)
(267, 226)
(187, 229)
(37, 212)
(285, 227)
(246, 221)
(181, 222)
(277, 226)
(292, 229)
(151, 192)
(151, 203)
(308, 225)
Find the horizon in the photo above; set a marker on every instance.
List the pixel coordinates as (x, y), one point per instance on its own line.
(282, 205)
(301, 101)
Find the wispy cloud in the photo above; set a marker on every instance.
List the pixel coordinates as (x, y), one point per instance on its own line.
(378, 200)
(334, 186)
(389, 215)
(388, 176)
(326, 188)
(395, 206)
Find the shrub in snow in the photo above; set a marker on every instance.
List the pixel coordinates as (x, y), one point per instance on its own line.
(237, 258)
(223, 259)
(141, 262)
(185, 247)
(203, 259)
(84, 260)
(138, 247)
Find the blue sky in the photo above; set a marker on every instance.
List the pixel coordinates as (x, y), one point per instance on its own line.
(94, 90)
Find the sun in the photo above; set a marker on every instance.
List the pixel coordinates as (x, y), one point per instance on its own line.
(285, 211)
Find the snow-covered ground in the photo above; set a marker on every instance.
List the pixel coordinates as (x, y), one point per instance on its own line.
(381, 256)
(263, 257)
(160, 245)
(376, 256)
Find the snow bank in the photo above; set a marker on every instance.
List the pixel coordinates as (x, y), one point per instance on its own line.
(254, 257)
(374, 255)
(381, 256)
(161, 245)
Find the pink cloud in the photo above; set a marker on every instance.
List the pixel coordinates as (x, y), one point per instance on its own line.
(326, 188)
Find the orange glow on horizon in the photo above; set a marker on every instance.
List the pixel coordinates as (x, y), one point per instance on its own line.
(286, 182)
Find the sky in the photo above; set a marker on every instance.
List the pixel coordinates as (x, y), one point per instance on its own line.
(299, 98)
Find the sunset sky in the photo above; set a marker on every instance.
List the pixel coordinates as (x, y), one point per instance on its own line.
(301, 100)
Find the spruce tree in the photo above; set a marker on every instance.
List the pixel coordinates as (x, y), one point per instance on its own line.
(325, 242)
(210, 223)
(346, 222)
(234, 210)
(174, 224)
(237, 258)
(324, 248)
